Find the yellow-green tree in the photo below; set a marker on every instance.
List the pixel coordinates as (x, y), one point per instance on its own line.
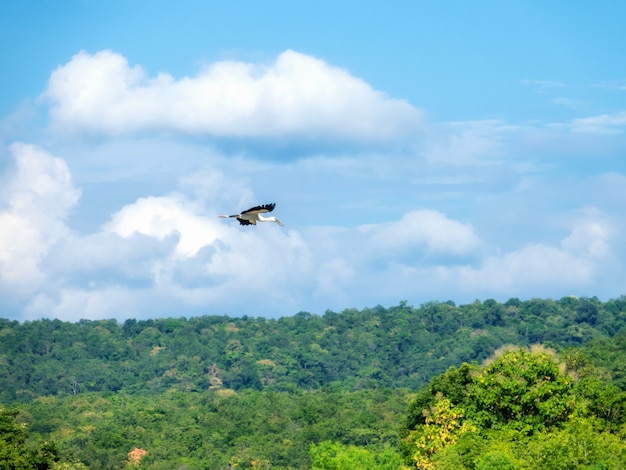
(444, 424)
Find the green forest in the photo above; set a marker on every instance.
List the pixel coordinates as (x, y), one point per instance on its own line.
(525, 384)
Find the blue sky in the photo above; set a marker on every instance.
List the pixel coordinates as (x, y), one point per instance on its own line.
(425, 151)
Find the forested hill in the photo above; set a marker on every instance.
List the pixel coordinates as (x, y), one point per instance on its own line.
(400, 346)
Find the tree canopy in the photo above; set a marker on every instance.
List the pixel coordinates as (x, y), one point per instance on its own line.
(522, 384)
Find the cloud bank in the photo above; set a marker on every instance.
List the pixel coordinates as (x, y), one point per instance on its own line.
(461, 212)
(164, 252)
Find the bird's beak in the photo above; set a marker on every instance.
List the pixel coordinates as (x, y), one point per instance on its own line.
(280, 223)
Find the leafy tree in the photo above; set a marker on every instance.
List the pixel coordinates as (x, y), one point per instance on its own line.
(15, 454)
(330, 455)
(587, 312)
(581, 443)
(520, 410)
(604, 400)
(521, 388)
(497, 461)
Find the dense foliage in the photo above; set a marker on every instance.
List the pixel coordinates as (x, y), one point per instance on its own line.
(400, 347)
(214, 429)
(322, 392)
(15, 452)
(524, 410)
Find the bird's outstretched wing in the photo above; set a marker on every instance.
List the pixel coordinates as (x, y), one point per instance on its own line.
(261, 209)
(246, 222)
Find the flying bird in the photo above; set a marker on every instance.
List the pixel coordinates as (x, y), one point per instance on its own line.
(253, 215)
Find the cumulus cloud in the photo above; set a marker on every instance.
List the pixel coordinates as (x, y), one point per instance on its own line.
(161, 217)
(35, 200)
(157, 254)
(428, 230)
(532, 266)
(430, 256)
(297, 95)
(100, 258)
(211, 261)
(590, 236)
(73, 304)
(575, 263)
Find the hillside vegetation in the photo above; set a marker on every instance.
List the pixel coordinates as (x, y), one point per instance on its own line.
(372, 388)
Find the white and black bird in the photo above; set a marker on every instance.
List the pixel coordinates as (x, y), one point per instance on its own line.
(253, 215)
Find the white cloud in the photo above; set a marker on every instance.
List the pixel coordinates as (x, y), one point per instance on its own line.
(591, 235)
(73, 304)
(215, 261)
(531, 267)
(377, 263)
(297, 95)
(99, 258)
(426, 230)
(575, 263)
(161, 217)
(34, 203)
(601, 124)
